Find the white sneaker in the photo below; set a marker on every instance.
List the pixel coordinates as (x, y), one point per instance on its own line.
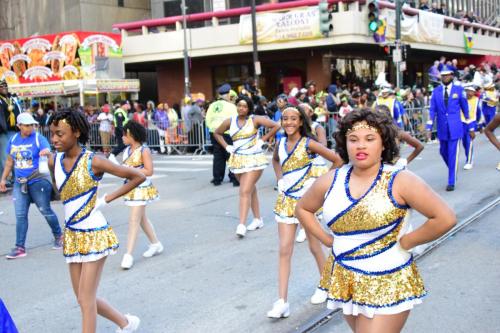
(468, 166)
(127, 261)
(112, 159)
(301, 236)
(256, 224)
(241, 230)
(319, 296)
(280, 309)
(132, 326)
(153, 249)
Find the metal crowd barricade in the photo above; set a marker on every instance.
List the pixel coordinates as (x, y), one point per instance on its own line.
(415, 122)
(182, 138)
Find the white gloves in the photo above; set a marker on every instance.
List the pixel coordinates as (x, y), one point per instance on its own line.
(230, 149)
(260, 143)
(100, 203)
(281, 186)
(401, 163)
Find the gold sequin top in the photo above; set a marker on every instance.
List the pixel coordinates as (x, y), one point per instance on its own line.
(133, 159)
(78, 189)
(375, 217)
(369, 272)
(296, 166)
(244, 137)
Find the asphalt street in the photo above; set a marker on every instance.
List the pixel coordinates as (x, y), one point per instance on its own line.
(207, 279)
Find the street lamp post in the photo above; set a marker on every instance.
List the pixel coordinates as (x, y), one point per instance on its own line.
(398, 53)
(256, 62)
(186, 58)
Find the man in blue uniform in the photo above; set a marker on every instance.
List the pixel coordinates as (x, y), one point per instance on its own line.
(448, 101)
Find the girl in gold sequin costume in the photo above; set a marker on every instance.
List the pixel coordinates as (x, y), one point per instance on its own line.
(373, 278)
(138, 156)
(88, 239)
(247, 160)
(292, 162)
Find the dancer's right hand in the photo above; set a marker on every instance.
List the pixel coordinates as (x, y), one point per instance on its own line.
(230, 149)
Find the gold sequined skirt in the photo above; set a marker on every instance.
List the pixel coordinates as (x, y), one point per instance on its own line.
(284, 209)
(141, 195)
(348, 287)
(326, 274)
(85, 246)
(245, 163)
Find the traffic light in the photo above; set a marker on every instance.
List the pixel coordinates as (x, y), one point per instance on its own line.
(325, 18)
(387, 50)
(373, 13)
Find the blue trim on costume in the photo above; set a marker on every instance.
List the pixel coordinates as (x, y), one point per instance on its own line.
(354, 201)
(69, 222)
(411, 298)
(389, 192)
(293, 149)
(389, 271)
(348, 177)
(79, 195)
(88, 230)
(309, 166)
(114, 247)
(392, 225)
(370, 255)
(68, 174)
(357, 232)
(89, 166)
(332, 184)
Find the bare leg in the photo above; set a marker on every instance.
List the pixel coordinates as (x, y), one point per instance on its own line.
(136, 215)
(351, 320)
(317, 251)
(382, 323)
(254, 201)
(148, 229)
(287, 237)
(247, 186)
(85, 281)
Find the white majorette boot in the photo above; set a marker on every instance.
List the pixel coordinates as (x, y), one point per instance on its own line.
(256, 224)
(132, 326)
(319, 296)
(281, 309)
(153, 249)
(301, 236)
(127, 261)
(241, 230)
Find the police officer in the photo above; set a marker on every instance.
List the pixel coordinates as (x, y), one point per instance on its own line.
(448, 101)
(9, 110)
(120, 118)
(474, 123)
(217, 112)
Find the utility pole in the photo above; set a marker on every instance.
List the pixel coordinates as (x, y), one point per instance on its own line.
(256, 63)
(397, 56)
(186, 58)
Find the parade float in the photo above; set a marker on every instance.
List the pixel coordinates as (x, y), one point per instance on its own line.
(68, 67)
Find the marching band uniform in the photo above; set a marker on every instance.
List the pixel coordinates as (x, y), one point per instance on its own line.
(144, 193)
(368, 272)
(394, 106)
(248, 154)
(87, 235)
(472, 124)
(297, 178)
(489, 102)
(445, 106)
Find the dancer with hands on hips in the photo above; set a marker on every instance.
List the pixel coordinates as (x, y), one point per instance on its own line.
(374, 279)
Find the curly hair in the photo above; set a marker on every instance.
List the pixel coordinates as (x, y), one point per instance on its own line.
(380, 120)
(248, 101)
(136, 130)
(76, 120)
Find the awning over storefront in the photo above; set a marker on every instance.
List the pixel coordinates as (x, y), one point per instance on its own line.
(72, 87)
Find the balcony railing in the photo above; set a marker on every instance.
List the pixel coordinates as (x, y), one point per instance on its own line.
(161, 23)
